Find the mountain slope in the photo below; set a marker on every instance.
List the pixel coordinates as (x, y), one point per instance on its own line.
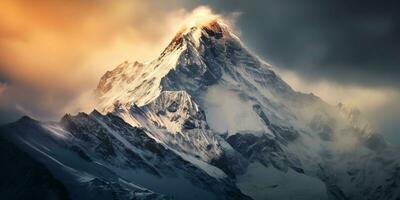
(261, 117)
(102, 153)
(24, 178)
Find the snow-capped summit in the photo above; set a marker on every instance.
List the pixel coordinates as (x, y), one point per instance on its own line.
(216, 120)
(137, 83)
(200, 53)
(193, 32)
(210, 100)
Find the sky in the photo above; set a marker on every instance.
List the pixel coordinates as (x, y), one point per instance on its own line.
(53, 52)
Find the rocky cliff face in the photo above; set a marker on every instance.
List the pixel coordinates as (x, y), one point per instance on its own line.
(102, 153)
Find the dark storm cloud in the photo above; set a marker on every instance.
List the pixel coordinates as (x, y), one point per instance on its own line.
(355, 42)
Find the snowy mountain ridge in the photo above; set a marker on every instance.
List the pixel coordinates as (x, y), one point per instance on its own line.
(217, 72)
(137, 83)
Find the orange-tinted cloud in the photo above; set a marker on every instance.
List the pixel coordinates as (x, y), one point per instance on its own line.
(51, 50)
(44, 41)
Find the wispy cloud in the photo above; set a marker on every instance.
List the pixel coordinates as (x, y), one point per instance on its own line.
(3, 87)
(379, 105)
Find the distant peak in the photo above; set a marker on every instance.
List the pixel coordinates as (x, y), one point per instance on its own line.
(95, 113)
(26, 118)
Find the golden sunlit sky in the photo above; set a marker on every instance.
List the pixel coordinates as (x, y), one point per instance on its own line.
(53, 52)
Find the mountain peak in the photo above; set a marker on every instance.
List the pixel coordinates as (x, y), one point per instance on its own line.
(26, 119)
(202, 23)
(210, 26)
(203, 18)
(194, 32)
(202, 50)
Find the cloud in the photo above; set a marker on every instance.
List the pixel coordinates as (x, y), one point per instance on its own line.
(334, 93)
(52, 53)
(227, 112)
(378, 105)
(24, 111)
(3, 88)
(48, 41)
(353, 42)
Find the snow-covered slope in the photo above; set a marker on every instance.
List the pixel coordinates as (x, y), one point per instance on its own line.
(243, 107)
(102, 157)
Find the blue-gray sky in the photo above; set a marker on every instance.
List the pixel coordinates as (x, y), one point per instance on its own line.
(354, 41)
